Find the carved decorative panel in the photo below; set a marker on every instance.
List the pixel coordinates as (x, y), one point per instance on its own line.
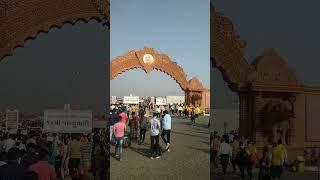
(227, 50)
(24, 19)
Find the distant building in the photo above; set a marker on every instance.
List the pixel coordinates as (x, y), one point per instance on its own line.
(175, 99)
(12, 119)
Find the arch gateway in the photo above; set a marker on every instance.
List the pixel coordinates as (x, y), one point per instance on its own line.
(273, 104)
(149, 59)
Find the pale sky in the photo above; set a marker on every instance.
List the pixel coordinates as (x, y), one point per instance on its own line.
(180, 30)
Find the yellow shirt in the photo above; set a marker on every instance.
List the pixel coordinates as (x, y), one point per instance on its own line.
(252, 149)
(277, 156)
(216, 144)
(282, 148)
(235, 146)
(197, 110)
(74, 149)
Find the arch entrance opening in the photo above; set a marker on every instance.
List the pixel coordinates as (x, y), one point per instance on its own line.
(149, 59)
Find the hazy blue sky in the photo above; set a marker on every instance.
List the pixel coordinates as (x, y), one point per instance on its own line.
(177, 28)
(41, 74)
(291, 27)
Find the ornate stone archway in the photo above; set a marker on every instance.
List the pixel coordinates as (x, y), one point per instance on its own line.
(266, 80)
(149, 59)
(21, 20)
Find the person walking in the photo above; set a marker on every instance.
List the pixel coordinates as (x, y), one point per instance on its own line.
(277, 159)
(235, 150)
(197, 112)
(43, 168)
(284, 152)
(225, 153)
(143, 128)
(114, 116)
(166, 129)
(253, 157)
(215, 149)
(154, 133)
(134, 124)
(99, 157)
(86, 151)
(74, 152)
(242, 160)
(180, 109)
(264, 165)
(119, 130)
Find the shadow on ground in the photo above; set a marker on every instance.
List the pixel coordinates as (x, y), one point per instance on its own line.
(141, 151)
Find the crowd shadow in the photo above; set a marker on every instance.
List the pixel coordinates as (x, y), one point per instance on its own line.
(141, 151)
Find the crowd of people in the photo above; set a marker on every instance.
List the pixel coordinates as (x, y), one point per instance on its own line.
(131, 124)
(50, 156)
(241, 154)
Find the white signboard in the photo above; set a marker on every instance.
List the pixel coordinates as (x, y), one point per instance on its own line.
(131, 99)
(175, 99)
(161, 101)
(71, 121)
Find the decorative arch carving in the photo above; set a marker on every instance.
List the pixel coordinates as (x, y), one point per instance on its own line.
(21, 20)
(227, 50)
(134, 59)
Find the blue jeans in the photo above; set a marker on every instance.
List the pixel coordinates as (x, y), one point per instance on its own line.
(119, 142)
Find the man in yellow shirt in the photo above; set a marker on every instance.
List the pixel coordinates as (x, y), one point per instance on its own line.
(283, 150)
(235, 145)
(276, 161)
(215, 148)
(196, 113)
(74, 154)
(252, 152)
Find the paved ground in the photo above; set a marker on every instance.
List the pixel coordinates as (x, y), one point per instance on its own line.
(288, 175)
(188, 159)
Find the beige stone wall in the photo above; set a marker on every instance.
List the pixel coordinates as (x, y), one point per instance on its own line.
(312, 115)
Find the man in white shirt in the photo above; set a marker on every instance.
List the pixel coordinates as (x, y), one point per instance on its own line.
(154, 132)
(225, 152)
(166, 126)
